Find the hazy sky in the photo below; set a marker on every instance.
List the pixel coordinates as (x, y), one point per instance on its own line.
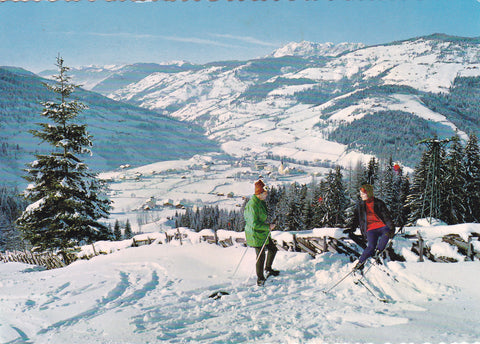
(85, 33)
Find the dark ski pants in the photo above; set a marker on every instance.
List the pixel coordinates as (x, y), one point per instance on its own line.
(376, 239)
(272, 251)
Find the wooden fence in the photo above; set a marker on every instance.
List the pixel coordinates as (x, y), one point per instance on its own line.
(311, 245)
(352, 247)
(47, 260)
(464, 248)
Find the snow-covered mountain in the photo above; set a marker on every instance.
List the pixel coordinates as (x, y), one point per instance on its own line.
(310, 103)
(105, 79)
(317, 103)
(311, 49)
(88, 76)
(426, 64)
(297, 106)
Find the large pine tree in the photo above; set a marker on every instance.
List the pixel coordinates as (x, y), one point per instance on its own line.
(318, 209)
(66, 199)
(294, 218)
(387, 187)
(454, 192)
(128, 230)
(335, 200)
(400, 209)
(372, 171)
(426, 189)
(472, 171)
(117, 232)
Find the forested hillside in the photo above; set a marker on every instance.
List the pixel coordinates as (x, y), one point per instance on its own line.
(122, 133)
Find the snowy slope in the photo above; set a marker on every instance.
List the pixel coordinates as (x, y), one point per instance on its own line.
(425, 64)
(159, 293)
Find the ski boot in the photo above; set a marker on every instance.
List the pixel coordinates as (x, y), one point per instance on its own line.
(272, 272)
(358, 268)
(260, 281)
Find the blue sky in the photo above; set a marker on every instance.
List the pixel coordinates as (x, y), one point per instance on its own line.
(85, 33)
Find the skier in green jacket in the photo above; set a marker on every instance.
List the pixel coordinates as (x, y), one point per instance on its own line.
(257, 232)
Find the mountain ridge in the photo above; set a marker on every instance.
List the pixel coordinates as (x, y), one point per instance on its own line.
(274, 106)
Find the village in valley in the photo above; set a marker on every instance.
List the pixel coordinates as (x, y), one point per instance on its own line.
(152, 193)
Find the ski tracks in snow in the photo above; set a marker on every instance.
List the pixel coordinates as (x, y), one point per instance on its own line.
(65, 308)
(289, 308)
(149, 302)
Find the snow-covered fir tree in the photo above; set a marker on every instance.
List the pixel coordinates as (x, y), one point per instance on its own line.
(272, 200)
(128, 234)
(293, 215)
(386, 186)
(308, 205)
(453, 208)
(373, 168)
(426, 189)
(399, 209)
(472, 175)
(359, 177)
(280, 207)
(117, 232)
(335, 200)
(67, 201)
(317, 202)
(11, 206)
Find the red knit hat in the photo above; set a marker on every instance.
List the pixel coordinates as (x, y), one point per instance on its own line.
(260, 187)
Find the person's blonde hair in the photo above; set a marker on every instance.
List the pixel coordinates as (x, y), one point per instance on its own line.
(368, 189)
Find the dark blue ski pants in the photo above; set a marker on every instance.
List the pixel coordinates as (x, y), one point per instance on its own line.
(376, 239)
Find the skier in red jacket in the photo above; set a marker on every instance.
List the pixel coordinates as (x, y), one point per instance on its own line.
(375, 222)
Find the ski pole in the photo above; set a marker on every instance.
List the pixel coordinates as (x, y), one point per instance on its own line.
(218, 294)
(353, 270)
(340, 281)
(241, 259)
(263, 246)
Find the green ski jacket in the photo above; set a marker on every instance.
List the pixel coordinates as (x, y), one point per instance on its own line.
(256, 230)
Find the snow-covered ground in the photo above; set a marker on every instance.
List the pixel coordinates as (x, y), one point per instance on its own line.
(160, 293)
